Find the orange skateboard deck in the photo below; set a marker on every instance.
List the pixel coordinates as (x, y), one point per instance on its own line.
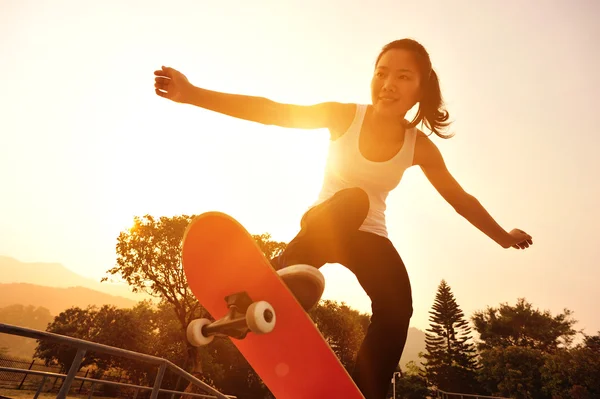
(220, 258)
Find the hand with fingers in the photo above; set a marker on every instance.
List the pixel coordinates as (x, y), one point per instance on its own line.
(171, 84)
(518, 240)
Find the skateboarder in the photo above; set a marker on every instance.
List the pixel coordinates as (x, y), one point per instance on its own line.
(371, 145)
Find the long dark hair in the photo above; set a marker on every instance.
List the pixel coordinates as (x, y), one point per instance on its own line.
(431, 106)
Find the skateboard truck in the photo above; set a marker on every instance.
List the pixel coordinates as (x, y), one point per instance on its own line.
(243, 316)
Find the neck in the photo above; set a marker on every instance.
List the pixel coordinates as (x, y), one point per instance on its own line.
(388, 123)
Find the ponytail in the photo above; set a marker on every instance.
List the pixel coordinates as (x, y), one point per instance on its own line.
(431, 107)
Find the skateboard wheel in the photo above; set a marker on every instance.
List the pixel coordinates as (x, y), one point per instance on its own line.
(260, 317)
(195, 335)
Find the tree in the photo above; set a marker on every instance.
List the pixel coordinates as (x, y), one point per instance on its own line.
(411, 387)
(129, 329)
(149, 260)
(573, 373)
(521, 325)
(412, 384)
(342, 327)
(516, 342)
(592, 342)
(451, 363)
(269, 247)
(74, 322)
(223, 367)
(513, 372)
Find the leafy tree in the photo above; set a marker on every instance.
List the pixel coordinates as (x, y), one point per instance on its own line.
(269, 247)
(451, 363)
(592, 342)
(149, 260)
(521, 325)
(413, 369)
(513, 372)
(223, 366)
(129, 329)
(412, 384)
(411, 387)
(573, 373)
(517, 342)
(342, 327)
(74, 322)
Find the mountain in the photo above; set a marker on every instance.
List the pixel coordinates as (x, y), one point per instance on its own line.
(57, 299)
(415, 343)
(34, 306)
(56, 275)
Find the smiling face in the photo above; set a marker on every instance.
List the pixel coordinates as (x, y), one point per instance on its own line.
(395, 86)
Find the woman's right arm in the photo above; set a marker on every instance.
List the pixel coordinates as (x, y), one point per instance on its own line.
(263, 110)
(172, 84)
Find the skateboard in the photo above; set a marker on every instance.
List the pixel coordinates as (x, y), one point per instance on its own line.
(252, 306)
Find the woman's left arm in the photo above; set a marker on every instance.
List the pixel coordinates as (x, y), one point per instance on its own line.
(429, 158)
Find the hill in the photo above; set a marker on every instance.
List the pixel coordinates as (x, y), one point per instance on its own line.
(56, 275)
(34, 306)
(57, 299)
(415, 343)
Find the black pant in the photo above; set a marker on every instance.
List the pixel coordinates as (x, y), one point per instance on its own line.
(329, 234)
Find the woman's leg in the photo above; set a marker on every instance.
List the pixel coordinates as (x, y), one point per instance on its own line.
(329, 234)
(324, 230)
(382, 274)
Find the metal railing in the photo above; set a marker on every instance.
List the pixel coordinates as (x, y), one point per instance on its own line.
(454, 395)
(84, 346)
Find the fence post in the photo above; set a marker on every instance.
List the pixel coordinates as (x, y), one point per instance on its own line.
(64, 389)
(37, 394)
(23, 380)
(176, 387)
(158, 380)
(91, 390)
(83, 381)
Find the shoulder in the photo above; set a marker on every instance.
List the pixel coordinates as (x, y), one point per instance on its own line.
(426, 152)
(342, 116)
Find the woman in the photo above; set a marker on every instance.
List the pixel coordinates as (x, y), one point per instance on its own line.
(371, 146)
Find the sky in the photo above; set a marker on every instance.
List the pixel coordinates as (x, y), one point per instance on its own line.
(86, 145)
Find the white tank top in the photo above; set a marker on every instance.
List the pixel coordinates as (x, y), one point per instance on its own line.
(346, 167)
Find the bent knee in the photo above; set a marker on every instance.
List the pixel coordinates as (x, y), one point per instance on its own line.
(359, 195)
(357, 199)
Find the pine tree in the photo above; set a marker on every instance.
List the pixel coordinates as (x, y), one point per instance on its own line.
(451, 360)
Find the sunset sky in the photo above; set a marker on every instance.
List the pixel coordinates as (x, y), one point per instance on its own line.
(86, 144)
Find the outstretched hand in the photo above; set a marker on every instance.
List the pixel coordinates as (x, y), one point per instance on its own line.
(171, 84)
(519, 239)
